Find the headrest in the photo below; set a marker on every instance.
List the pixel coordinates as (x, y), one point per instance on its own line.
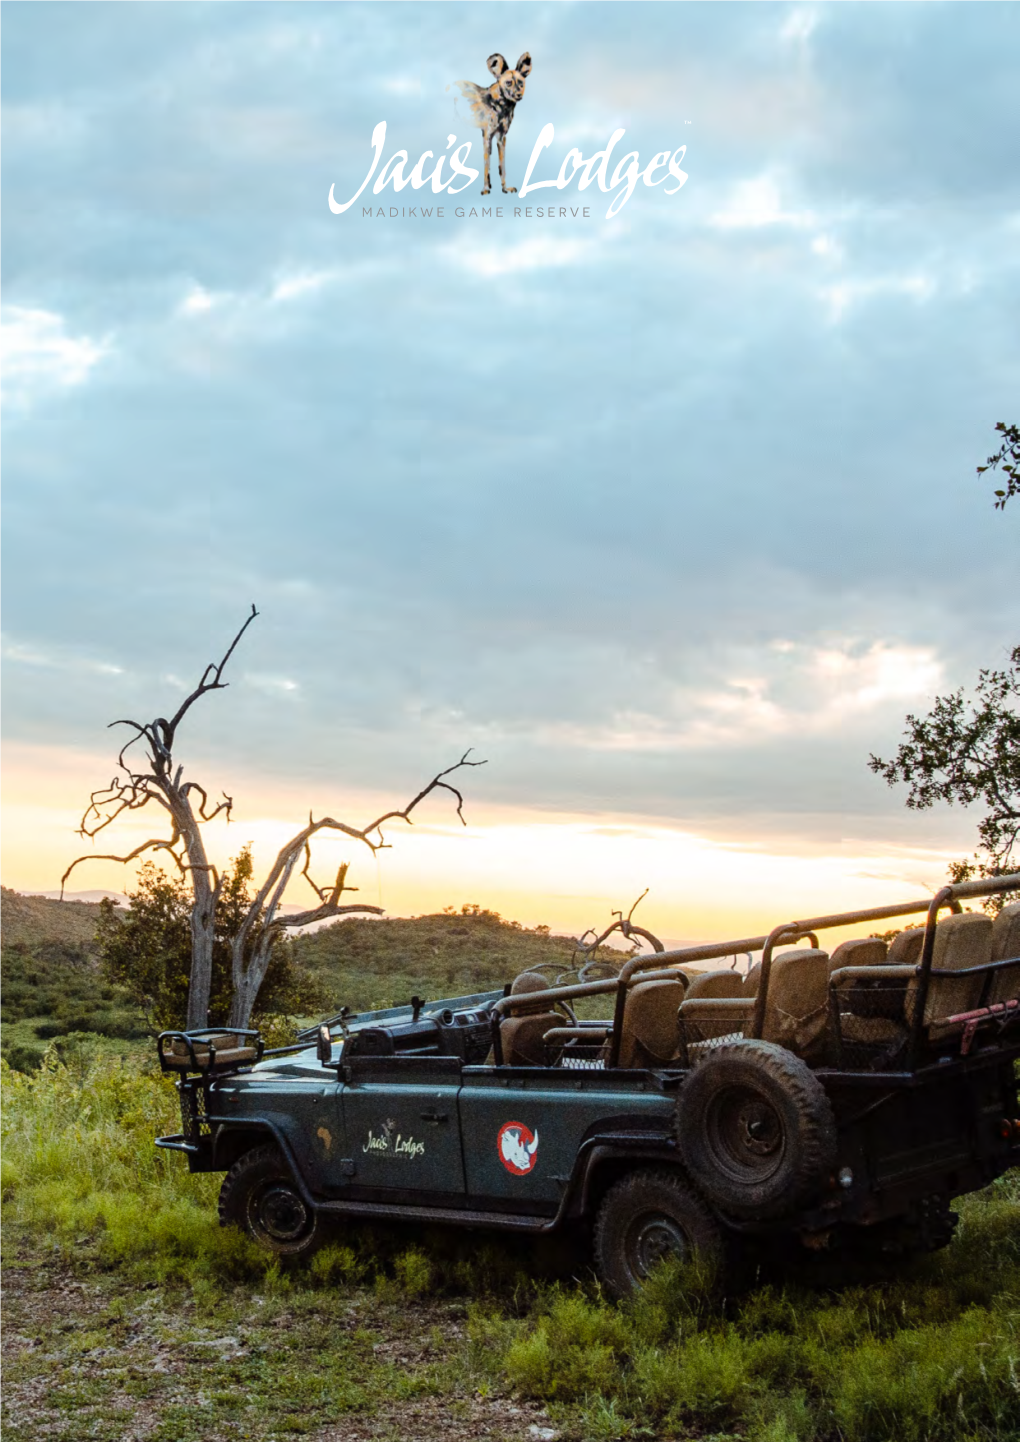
(1006, 933)
(905, 949)
(716, 983)
(963, 940)
(523, 985)
(861, 951)
(528, 981)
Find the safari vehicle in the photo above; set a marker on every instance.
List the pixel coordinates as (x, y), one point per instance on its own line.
(823, 1097)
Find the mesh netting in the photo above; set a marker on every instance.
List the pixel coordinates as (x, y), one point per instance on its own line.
(577, 1058)
(193, 1118)
(871, 1022)
(700, 1034)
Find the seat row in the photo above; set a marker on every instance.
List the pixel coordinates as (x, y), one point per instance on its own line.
(872, 986)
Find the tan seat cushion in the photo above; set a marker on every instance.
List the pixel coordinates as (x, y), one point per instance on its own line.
(961, 941)
(861, 951)
(716, 983)
(228, 1053)
(797, 1005)
(705, 1018)
(651, 1034)
(522, 1038)
(905, 949)
(874, 1029)
(1005, 984)
(750, 982)
(865, 997)
(526, 982)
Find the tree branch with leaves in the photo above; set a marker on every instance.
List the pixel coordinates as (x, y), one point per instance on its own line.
(1008, 457)
(966, 752)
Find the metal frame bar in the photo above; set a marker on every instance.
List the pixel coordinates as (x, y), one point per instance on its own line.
(651, 967)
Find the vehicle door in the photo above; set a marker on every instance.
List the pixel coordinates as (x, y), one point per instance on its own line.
(402, 1125)
(522, 1129)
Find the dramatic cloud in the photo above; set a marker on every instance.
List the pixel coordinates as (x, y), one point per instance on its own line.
(674, 514)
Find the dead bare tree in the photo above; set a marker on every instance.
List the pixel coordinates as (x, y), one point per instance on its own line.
(588, 944)
(159, 780)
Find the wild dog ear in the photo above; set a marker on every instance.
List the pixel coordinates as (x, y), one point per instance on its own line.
(497, 65)
(523, 66)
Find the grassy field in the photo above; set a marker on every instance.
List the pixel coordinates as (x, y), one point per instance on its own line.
(131, 1313)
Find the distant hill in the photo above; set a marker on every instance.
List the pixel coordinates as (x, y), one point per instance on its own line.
(51, 982)
(363, 963)
(53, 987)
(34, 920)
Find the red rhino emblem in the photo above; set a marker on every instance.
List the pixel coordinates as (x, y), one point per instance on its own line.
(518, 1147)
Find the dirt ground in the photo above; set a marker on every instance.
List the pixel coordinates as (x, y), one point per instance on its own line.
(88, 1356)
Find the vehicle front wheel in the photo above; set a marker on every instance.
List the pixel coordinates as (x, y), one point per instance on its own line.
(260, 1195)
(646, 1217)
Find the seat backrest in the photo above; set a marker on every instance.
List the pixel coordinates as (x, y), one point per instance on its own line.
(749, 987)
(961, 941)
(797, 1004)
(905, 949)
(716, 983)
(1005, 985)
(861, 951)
(521, 1038)
(651, 1032)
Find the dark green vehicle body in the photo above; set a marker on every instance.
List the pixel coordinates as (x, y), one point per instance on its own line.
(415, 1112)
(419, 1135)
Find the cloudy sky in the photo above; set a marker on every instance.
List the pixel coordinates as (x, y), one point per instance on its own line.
(671, 515)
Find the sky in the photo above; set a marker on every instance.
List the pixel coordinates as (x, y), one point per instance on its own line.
(670, 515)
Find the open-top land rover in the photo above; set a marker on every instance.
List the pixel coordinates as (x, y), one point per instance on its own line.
(828, 1097)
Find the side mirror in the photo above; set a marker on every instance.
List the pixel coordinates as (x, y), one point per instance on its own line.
(324, 1045)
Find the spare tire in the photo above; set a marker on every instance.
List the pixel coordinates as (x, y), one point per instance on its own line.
(755, 1129)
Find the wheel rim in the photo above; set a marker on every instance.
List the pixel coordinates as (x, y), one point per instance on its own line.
(279, 1213)
(651, 1238)
(746, 1134)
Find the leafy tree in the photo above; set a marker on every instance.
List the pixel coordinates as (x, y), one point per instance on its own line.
(149, 950)
(1008, 456)
(967, 752)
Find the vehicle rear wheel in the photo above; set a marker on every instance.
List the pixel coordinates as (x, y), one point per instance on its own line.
(260, 1195)
(756, 1129)
(646, 1217)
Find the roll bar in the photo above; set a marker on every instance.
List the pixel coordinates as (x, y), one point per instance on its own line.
(667, 965)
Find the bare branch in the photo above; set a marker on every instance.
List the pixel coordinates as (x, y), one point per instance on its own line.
(120, 798)
(154, 844)
(436, 784)
(169, 728)
(322, 913)
(623, 924)
(225, 805)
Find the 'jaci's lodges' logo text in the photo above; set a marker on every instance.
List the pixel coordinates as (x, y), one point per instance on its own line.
(492, 110)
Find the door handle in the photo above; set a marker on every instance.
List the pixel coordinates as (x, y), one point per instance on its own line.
(435, 1117)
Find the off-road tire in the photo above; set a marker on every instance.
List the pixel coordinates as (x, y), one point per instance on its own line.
(755, 1129)
(646, 1216)
(259, 1195)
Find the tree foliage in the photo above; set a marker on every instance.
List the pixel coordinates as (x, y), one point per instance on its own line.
(1008, 457)
(150, 950)
(966, 752)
